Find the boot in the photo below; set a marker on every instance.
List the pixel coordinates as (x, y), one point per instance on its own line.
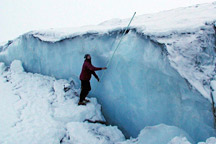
(86, 100)
(81, 103)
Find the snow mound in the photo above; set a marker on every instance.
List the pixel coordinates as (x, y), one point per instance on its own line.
(179, 140)
(16, 66)
(83, 133)
(160, 134)
(35, 108)
(211, 140)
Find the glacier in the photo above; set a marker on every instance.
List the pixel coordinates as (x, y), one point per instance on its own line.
(161, 72)
(36, 108)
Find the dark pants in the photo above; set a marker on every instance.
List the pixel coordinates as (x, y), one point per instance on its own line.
(85, 88)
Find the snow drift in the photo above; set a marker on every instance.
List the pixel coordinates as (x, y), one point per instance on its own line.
(161, 72)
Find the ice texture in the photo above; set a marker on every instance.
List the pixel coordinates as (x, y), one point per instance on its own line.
(213, 87)
(161, 72)
(2, 67)
(36, 109)
(140, 88)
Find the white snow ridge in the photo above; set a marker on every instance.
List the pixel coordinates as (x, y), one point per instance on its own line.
(160, 87)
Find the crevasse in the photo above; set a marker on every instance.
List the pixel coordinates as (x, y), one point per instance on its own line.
(140, 88)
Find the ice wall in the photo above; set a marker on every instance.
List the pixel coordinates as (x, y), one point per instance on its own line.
(140, 88)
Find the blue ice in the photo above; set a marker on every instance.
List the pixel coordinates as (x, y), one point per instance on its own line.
(140, 88)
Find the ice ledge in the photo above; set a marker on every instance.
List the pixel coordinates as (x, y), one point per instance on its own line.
(181, 20)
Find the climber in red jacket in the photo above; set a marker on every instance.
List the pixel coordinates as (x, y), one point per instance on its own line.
(85, 76)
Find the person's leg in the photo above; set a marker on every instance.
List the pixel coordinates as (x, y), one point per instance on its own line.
(84, 91)
(82, 95)
(85, 100)
(88, 89)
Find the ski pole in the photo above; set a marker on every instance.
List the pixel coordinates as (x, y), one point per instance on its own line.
(108, 63)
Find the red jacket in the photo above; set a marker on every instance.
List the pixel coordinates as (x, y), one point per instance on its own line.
(87, 70)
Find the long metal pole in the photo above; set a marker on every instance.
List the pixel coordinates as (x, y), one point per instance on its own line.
(108, 63)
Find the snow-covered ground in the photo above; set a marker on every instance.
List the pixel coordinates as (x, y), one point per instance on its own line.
(35, 109)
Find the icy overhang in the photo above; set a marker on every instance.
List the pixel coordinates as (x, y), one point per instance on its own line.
(181, 20)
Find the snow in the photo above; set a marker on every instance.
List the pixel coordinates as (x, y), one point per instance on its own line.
(16, 66)
(3, 43)
(179, 20)
(211, 140)
(35, 108)
(161, 72)
(179, 140)
(160, 134)
(193, 56)
(139, 84)
(170, 24)
(171, 28)
(83, 133)
(2, 67)
(8, 114)
(213, 86)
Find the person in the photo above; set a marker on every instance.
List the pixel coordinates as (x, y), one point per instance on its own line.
(87, 70)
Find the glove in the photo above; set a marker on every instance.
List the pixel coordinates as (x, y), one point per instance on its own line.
(98, 79)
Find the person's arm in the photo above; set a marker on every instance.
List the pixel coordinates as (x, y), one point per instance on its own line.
(95, 75)
(92, 68)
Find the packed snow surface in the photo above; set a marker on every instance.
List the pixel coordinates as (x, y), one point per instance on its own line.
(35, 109)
